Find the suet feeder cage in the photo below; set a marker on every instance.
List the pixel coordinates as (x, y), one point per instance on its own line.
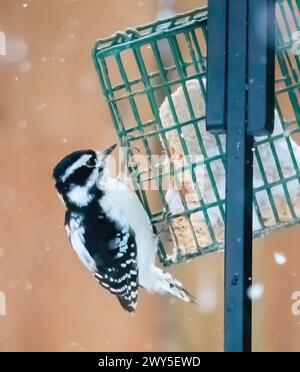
(154, 80)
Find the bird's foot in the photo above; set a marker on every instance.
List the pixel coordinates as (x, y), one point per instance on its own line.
(165, 223)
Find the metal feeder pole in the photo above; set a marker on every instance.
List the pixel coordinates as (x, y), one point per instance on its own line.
(240, 103)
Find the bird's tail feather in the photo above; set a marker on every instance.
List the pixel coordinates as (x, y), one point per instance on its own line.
(168, 284)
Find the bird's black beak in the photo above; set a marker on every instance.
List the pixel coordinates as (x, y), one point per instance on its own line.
(108, 151)
(103, 155)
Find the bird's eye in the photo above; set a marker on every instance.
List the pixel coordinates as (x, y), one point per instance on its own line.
(91, 163)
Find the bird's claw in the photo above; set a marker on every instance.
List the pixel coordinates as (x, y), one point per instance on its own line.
(167, 215)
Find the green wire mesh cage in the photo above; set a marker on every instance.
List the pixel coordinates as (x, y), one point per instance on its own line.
(153, 78)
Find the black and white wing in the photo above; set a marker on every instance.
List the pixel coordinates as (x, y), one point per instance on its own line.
(121, 276)
(109, 251)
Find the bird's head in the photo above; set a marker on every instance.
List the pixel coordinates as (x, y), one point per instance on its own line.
(76, 175)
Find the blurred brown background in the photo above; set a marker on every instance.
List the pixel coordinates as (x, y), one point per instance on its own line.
(50, 105)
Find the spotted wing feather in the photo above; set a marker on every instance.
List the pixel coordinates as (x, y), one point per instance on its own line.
(121, 278)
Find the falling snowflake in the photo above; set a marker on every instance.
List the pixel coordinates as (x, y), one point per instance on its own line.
(207, 300)
(256, 291)
(279, 258)
(73, 344)
(41, 106)
(28, 287)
